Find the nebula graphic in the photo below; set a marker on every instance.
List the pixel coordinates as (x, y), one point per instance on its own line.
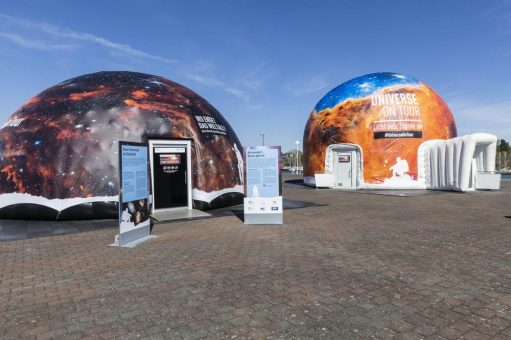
(387, 114)
(59, 151)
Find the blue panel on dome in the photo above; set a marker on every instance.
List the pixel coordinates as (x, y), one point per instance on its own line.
(362, 87)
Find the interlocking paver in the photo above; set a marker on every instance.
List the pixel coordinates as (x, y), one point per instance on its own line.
(353, 266)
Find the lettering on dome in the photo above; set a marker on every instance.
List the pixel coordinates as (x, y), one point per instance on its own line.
(208, 125)
(12, 123)
(399, 116)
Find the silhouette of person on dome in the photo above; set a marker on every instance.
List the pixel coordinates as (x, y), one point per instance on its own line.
(401, 168)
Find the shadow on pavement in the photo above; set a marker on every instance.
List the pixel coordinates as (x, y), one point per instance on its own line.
(238, 209)
(11, 230)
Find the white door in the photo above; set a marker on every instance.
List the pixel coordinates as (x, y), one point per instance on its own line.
(345, 176)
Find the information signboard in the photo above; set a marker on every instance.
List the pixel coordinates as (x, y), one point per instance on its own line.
(263, 189)
(134, 221)
(171, 174)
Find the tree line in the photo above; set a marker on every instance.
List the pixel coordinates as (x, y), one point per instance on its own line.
(289, 159)
(503, 159)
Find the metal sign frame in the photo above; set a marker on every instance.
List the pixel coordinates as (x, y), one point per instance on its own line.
(260, 206)
(134, 219)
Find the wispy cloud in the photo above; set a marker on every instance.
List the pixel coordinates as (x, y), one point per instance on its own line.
(35, 44)
(306, 86)
(472, 116)
(237, 92)
(451, 91)
(204, 80)
(70, 35)
(213, 82)
(241, 84)
(254, 78)
(499, 12)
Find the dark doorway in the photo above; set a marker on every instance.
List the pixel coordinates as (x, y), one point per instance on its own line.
(169, 171)
(170, 174)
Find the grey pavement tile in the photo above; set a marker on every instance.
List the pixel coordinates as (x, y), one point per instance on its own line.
(13, 236)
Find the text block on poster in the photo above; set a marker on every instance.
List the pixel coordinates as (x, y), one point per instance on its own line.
(134, 221)
(263, 190)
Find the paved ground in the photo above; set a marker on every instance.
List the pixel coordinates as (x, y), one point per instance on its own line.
(353, 266)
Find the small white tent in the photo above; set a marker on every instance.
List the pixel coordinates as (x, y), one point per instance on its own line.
(460, 164)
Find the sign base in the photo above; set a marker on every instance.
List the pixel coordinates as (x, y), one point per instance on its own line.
(131, 244)
(263, 210)
(263, 219)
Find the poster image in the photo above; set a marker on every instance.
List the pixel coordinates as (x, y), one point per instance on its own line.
(170, 159)
(134, 213)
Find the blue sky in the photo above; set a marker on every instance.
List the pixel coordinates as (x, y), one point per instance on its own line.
(265, 64)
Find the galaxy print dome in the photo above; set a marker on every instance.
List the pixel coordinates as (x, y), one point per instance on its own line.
(58, 152)
(386, 116)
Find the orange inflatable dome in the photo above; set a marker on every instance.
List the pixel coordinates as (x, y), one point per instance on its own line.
(367, 131)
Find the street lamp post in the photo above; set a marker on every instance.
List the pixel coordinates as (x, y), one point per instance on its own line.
(262, 135)
(297, 143)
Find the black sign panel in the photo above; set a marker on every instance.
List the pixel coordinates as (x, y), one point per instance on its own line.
(397, 134)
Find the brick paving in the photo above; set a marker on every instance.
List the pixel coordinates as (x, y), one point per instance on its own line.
(353, 266)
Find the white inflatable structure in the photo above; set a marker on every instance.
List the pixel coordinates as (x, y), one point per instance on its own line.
(464, 163)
